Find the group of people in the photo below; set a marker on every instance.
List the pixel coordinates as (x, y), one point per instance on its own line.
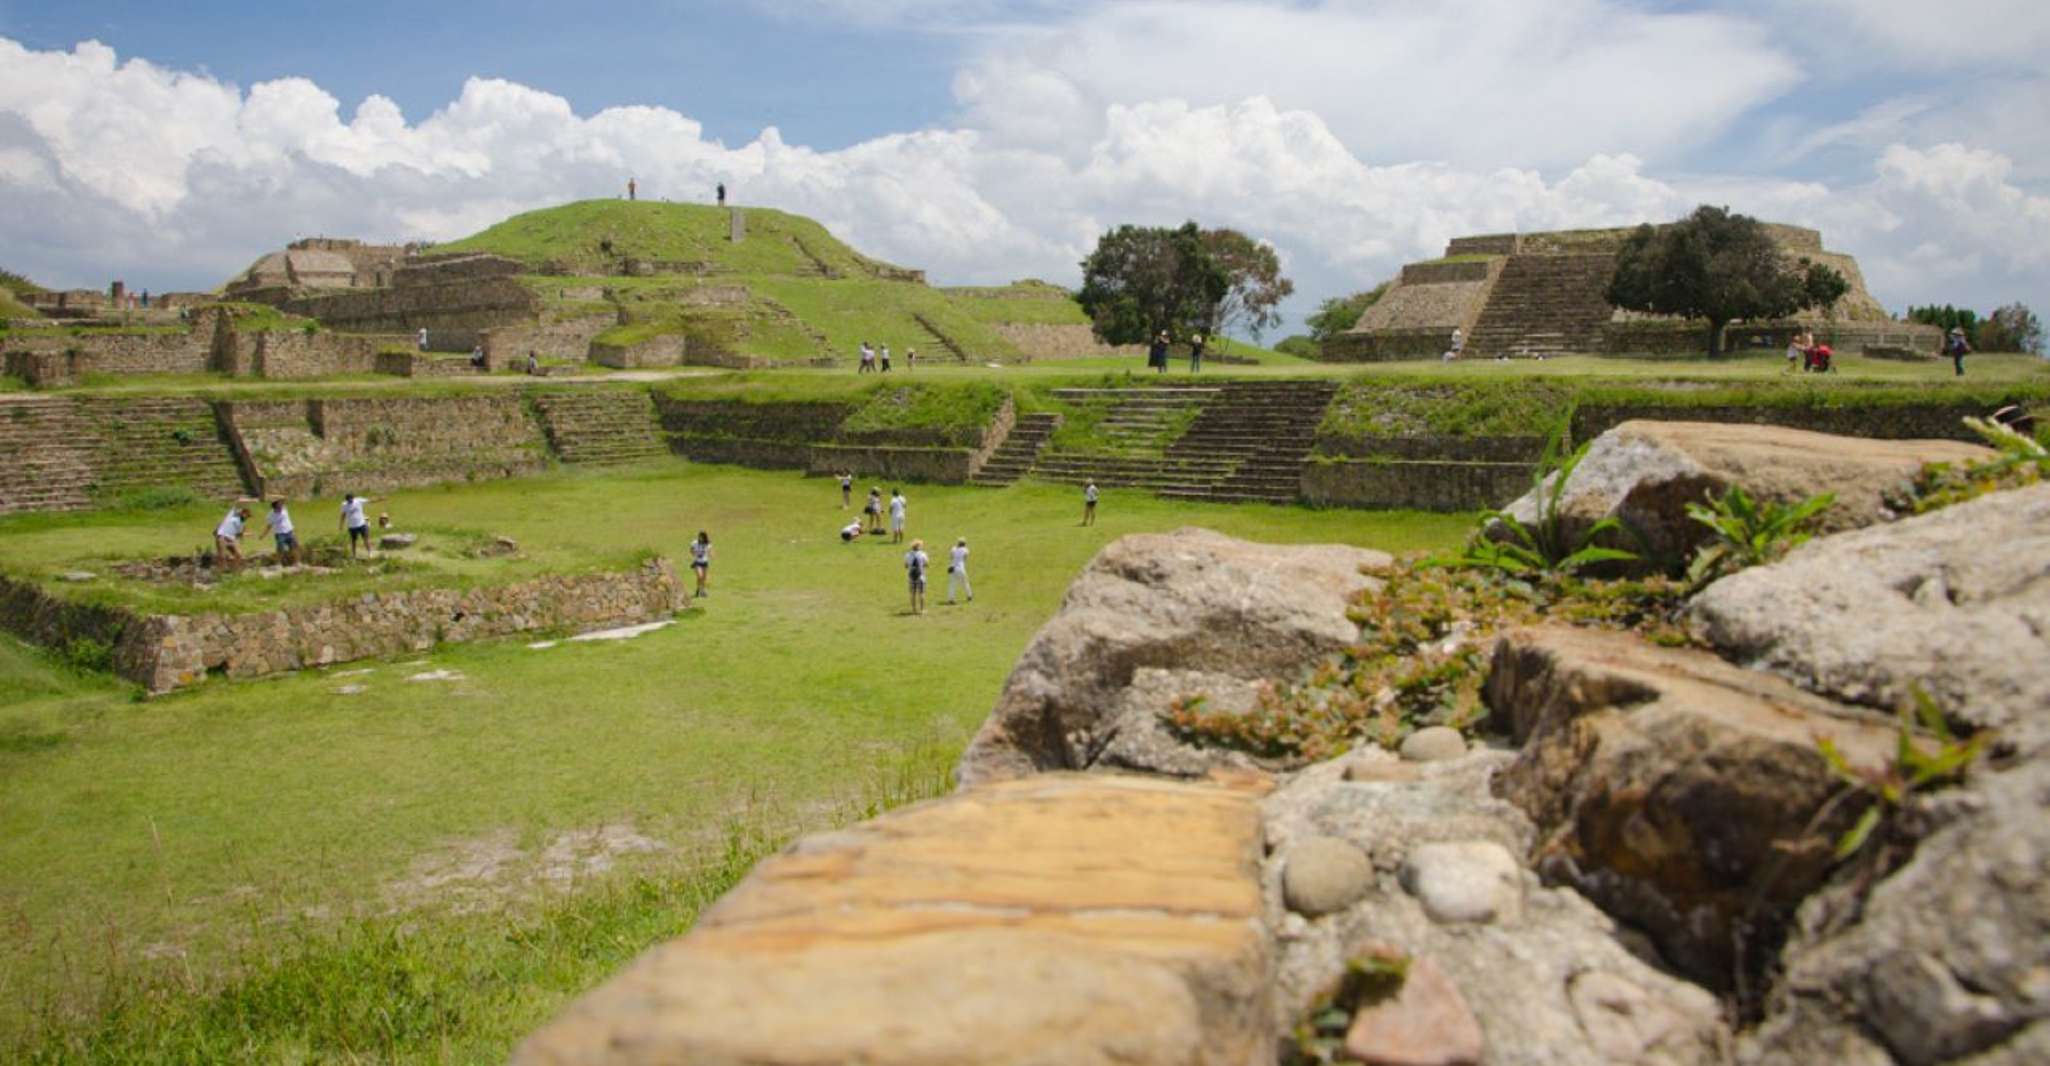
(916, 562)
(1156, 354)
(354, 522)
(877, 360)
(1803, 354)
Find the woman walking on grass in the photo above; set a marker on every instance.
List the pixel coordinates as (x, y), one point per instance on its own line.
(915, 564)
(701, 562)
(957, 570)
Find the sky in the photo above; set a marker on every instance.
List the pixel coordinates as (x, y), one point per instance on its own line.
(989, 140)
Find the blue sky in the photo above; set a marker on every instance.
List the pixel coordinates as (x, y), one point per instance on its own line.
(988, 140)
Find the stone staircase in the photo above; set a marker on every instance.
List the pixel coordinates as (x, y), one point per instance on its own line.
(1265, 430)
(600, 426)
(934, 343)
(1134, 456)
(47, 451)
(143, 442)
(1544, 305)
(1019, 451)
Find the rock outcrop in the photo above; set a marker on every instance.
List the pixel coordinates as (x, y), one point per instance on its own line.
(1956, 602)
(1059, 919)
(1190, 601)
(1646, 473)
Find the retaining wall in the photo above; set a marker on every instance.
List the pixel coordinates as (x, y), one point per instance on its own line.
(1420, 485)
(654, 352)
(286, 354)
(493, 301)
(301, 448)
(185, 352)
(1932, 421)
(164, 652)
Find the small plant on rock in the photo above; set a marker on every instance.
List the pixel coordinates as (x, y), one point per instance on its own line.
(1541, 548)
(1914, 769)
(1748, 533)
(1372, 978)
(2022, 461)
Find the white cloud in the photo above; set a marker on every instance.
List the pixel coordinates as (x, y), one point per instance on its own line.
(171, 179)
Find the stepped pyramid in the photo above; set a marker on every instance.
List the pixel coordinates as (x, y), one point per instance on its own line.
(1541, 294)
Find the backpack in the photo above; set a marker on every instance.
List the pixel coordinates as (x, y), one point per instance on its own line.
(917, 567)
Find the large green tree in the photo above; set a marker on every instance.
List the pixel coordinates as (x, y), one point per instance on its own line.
(1254, 271)
(1720, 266)
(1144, 279)
(1340, 313)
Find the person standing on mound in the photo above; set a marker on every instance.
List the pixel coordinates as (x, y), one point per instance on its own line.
(846, 489)
(897, 505)
(701, 562)
(915, 564)
(957, 570)
(1089, 504)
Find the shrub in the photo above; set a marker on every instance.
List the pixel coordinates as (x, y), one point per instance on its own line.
(88, 654)
(1747, 534)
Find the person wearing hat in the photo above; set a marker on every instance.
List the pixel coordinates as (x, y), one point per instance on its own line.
(228, 538)
(1955, 347)
(916, 562)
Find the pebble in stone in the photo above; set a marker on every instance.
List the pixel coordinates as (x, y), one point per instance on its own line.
(1320, 875)
(1427, 1023)
(1465, 881)
(1434, 743)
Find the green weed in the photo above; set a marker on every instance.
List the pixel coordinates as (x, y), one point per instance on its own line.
(1747, 534)
(1913, 771)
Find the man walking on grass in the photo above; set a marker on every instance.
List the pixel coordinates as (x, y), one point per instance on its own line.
(957, 570)
(897, 505)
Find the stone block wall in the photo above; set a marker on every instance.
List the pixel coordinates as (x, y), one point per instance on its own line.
(568, 339)
(307, 447)
(288, 354)
(43, 369)
(1419, 485)
(1932, 421)
(1389, 345)
(951, 466)
(1439, 273)
(447, 270)
(1045, 341)
(165, 652)
(662, 351)
(492, 301)
(183, 352)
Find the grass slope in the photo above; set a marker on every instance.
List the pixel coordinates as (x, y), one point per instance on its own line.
(254, 828)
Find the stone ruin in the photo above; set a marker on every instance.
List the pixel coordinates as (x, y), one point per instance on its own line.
(1538, 294)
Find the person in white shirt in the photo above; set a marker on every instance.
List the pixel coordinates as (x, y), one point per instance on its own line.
(354, 522)
(915, 564)
(1089, 504)
(897, 505)
(868, 359)
(228, 538)
(423, 338)
(884, 357)
(957, 570)
(701, 562)
(850, 532)
(280, 526)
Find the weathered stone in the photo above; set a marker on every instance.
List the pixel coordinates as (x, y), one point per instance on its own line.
(1623, 1022)
(1433, 743)
(1426, 1023)
(396, 541)
(1466, 881)
(1058, 919)
(1956, 602)
(1945, 961)
(1191, 598)
(1320, 875)
(1679, 792)
(1646, 473)
(1137, 738)
(1517, 979)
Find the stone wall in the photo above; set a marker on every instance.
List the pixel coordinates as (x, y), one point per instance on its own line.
(430, 271)
(1440, 273)
(1037, 340)
(172, 651)
(288, 354)
(183, 352)
(1642, 334)
(491, 301)
(661, 351)
(306, 447)
(1442, 448)
(567, 339)
(1932, 421)
(43, 369)
(947, 465)
(1419, 485)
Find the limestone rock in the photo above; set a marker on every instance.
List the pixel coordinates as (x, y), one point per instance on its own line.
(1426, 1023)
(1466, 881)
(1320, 875)
(1191, 599)
(1945, 961)
(1519, 981)
(1646, 473)
(1957, 601)
(1675, 790)
(392, 542)
(1137, 739)
(1433, 743)
(1057, 919)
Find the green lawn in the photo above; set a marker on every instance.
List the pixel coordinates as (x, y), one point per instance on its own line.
(164, 840)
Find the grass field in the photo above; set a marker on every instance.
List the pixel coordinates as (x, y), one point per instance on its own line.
(482, 848)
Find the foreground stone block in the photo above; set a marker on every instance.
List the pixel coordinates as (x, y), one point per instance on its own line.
(1957, 601)
(1677, 791)
(1056, 919)
(1646, 473)
(1188, 600)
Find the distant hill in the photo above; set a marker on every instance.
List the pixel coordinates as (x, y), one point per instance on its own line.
(12, 288)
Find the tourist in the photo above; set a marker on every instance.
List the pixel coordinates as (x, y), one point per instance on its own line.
(957, 570)
(915, 564)
(477, 355)
(1089, 504)
(383, 520)
(1955, 347)
(422, 340)
(1156, 356)
(228, 538)
(873, 510)
(910, 359)
(897, 505)
(533, 363)
(354, 522)
(884, 357)
(721, 191)
(846, 489)
(868, 359)
(1797, 349)
(632, 190)
(850, 532)
(280, 526)
(701, 562)
(1196, 353)
(1458, 347)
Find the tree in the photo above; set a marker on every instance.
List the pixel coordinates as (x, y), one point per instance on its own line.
(1720, 266)
(2013, 328)
(1256, 282)
(1340, 313)
(1947, 318)
(1144, 279)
